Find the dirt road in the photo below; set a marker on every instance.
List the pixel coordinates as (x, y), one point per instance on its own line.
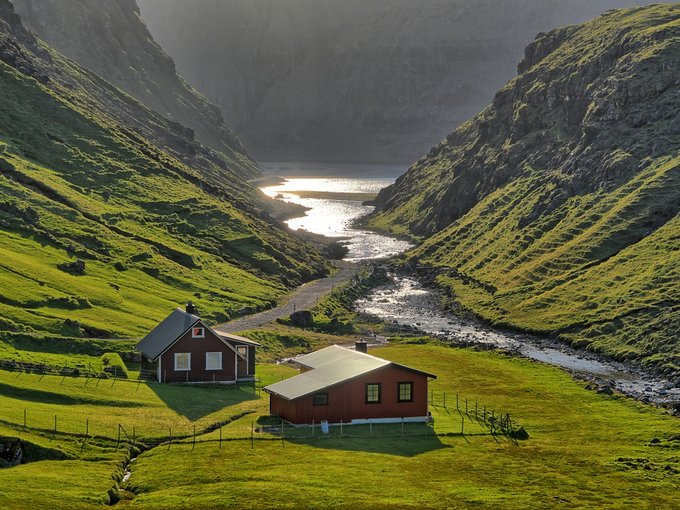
(304, 298)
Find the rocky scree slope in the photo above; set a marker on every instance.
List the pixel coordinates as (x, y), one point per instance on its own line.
(555, 210)
(353, 80)
(110, 39)
(104, 226)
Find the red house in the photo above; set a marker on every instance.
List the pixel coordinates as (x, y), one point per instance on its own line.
(343, 385)
(182, 348)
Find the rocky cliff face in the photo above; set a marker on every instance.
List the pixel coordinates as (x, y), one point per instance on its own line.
(352, 79)
(556, 208)
(111, 214)
(111, 39)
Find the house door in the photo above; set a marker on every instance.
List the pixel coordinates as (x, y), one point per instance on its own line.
(242, 361)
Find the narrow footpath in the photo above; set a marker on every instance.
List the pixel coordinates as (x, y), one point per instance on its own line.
(304, 298)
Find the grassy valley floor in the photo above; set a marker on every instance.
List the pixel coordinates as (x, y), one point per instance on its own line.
(584, 449)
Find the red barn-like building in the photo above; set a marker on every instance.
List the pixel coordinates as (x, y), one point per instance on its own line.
(337, 384)
(182, 348)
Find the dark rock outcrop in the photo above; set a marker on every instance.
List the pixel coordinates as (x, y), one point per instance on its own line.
(111, 39)
(556, 209)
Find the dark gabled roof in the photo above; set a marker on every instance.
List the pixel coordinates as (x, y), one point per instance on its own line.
(166, 333)
(329, 367)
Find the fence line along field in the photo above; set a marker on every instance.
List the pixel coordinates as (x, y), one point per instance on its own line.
(219, 444)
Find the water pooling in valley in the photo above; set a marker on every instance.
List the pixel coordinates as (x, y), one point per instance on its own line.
(334, 204)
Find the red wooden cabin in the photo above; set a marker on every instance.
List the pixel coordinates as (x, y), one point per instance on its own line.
(337, 384)
(182, 348)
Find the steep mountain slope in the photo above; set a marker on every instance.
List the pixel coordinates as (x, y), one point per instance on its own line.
(103, 228)
(110, 39)
(378, 80)
(556, 208)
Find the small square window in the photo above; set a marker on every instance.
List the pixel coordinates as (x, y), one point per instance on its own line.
(321, 399)
(373, 393)
(405, 392)
(198, 332)
(182, 361)
(213, 361)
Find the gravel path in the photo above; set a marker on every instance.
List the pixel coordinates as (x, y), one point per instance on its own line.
(304, 298)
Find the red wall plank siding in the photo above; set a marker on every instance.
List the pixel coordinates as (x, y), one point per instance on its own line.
(346, 401)
(198, 347)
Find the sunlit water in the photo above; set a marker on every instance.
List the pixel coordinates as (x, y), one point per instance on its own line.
(406, 301)
(335, 218)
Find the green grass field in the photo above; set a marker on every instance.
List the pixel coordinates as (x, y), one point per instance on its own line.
(584, 450)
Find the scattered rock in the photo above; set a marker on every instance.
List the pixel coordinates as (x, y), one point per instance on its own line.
(77, 267)
(11, 451)
(302, 318)
(520, 434)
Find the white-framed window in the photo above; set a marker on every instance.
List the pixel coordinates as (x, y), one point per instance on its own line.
(198, 332)
(213, 361)
(182, 361)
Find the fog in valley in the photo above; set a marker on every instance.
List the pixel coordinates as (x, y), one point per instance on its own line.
(352, 80)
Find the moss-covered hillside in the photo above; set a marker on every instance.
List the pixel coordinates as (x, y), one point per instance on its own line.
(556, 209)
(107, 220)
(111, 39)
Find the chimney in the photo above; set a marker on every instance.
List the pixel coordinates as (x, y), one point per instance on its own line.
(191, 308)
(361, 347)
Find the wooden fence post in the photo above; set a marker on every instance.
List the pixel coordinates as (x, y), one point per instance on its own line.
(55, 426)
(457, 402)
(444, 400)
(170, 435)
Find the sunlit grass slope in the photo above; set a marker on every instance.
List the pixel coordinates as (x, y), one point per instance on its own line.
(88, 173)
(556, 209)
(585, 450)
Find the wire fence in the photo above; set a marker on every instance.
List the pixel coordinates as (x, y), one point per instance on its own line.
(265, 428)
(262, 428)
(66, 370)
(498, 424)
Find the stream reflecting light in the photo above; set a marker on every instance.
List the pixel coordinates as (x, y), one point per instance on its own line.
(335, 218)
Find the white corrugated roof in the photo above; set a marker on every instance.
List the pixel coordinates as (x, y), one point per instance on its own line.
(330, 366)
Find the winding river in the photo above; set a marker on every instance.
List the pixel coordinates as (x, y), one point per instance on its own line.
(333, 206)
